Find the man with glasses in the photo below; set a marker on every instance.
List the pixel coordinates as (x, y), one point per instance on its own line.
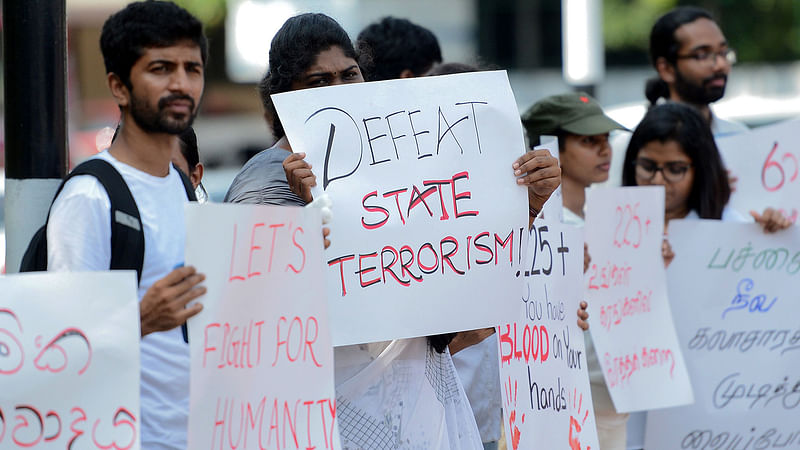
(693, 61)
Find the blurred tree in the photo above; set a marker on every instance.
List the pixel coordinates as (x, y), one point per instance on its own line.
(760, 30)
(626, 28)
(210, 12)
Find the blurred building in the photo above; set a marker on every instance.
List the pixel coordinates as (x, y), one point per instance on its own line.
(523, 36)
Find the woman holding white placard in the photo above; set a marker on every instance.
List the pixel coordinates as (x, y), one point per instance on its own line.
(389, 394)
(673, 146)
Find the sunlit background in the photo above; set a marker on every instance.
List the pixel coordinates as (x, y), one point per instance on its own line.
(607, 48)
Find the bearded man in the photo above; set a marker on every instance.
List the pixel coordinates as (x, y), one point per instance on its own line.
(155, 53)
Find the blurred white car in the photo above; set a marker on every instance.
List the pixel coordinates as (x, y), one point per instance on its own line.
(750, 110)
(217, 180)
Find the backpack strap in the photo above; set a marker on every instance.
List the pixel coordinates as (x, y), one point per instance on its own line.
(127, 231)
(187, 184)
(127, 234)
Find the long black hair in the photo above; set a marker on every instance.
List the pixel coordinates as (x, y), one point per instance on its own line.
(664, 45)
(684, 125)
(188, 143)
(294, 49)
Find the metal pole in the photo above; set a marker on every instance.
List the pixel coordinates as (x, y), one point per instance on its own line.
(582, 43)
(35, 53)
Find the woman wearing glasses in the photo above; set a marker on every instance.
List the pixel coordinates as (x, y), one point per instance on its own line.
(673, 147)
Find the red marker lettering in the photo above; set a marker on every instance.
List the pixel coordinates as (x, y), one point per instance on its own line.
(363, 270)
(302, 252)
(418, 198)
(206, 348)
(341, 261)
(292, 419)
(310, 341)
(374, 209)
(231, 276)
(446, 256)
(24, 424)
(272, 247)
(404, 265)
(396, 194)
(461, 196)
(388, 267)
(438, 184)
(509, 240)
(253, 248)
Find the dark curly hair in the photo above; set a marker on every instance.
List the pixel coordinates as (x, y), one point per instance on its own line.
(392, 45)
(142, 25)
(294, 49)
(664, 45)
(683, 124)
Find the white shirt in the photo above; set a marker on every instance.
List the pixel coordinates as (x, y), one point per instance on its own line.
(79, 238)
(408, 397)
(477, 367)
(728, 215)
(570, 218)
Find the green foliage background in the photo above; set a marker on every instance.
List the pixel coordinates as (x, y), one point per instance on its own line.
(210, 12)
(760, 30)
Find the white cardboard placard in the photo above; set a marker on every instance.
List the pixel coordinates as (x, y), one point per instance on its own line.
(626, 287)
(547, 402)
(766, 162)
(734, 293)
(427, 216)
(262, 359)
(69, 360)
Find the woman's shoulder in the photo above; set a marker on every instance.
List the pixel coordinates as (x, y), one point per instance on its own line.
(267, 158)
(262, 180)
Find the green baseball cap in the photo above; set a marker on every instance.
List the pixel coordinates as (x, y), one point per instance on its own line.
(575, 113)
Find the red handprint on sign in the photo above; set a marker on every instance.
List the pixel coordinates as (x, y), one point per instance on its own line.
(514, 433)
(575, 427)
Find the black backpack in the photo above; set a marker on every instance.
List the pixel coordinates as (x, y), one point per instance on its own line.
(127, 234)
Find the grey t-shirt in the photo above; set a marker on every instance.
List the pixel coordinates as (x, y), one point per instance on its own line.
(262, 181)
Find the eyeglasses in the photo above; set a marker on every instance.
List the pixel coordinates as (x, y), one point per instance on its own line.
(709, 57)
(672, 171)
